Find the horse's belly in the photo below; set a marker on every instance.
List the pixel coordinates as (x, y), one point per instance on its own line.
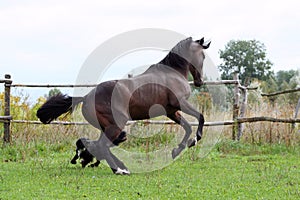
(144, 111)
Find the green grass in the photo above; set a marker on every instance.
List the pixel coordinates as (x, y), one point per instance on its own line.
(231, 171)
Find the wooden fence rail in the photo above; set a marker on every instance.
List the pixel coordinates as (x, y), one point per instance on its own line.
(280, 92)
(221, 82)
(145, 122)
(237, 120)
(170, 122)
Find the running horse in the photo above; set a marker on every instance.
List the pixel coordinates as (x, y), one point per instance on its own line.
(163, 89)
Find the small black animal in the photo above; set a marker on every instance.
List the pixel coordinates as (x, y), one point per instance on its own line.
(83, 154)
(86, 157)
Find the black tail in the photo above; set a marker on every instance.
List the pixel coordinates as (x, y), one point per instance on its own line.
(56, 106)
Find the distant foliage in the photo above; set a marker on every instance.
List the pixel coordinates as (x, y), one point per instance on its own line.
(53, 92)
(283, 80)
(209, 97)
(19, 106)
(248, 57)
(290, 77)
(203, 101)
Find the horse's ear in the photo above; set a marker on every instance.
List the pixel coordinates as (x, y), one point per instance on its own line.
(206, 46)
(201, 41)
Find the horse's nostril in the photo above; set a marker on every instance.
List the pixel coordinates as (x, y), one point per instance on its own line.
(198, 83)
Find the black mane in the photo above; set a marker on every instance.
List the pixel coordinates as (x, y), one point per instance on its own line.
(177, 57)
(175, 61)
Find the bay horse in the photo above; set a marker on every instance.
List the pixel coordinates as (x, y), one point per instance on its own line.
(163, 89)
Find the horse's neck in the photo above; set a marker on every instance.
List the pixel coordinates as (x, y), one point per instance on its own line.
(184, 71)
(161, 68)
(177, 63)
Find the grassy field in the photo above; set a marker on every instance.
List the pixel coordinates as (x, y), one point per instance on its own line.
(231, 171)
(264, 165)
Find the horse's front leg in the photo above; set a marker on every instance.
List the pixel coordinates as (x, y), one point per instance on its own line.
(187, 108)
(176, 117)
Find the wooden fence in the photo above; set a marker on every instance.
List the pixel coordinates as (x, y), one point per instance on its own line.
(237, 120)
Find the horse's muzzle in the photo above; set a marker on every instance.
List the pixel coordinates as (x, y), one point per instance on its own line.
(198, 83)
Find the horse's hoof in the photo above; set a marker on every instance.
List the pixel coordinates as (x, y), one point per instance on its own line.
(175, 152)
(191, 142)
(122, 172)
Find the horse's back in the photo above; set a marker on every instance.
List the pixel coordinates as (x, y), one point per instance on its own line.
(133, 98)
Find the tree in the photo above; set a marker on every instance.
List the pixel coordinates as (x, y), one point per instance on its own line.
(52, 92)
(283, 80)
(287, 80)
(269, 86)
(248, 57)
(287, 77)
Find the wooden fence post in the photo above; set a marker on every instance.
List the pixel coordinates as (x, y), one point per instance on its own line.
(296, 113)
(7, 85)
(242, 112)
(235, 113)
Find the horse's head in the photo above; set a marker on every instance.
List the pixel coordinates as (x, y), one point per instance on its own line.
(197, 57)
(193, 55)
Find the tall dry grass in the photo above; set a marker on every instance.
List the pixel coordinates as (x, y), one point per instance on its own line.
(151, 136)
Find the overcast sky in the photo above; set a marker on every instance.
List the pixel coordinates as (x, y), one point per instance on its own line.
(48, 41)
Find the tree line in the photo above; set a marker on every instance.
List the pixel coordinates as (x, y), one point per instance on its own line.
(249, 59)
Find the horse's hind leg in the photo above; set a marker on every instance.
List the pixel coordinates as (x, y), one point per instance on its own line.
(121, 138)
(121, 169)
(115, 164)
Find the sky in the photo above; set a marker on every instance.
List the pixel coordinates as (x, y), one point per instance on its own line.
(48, 41)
